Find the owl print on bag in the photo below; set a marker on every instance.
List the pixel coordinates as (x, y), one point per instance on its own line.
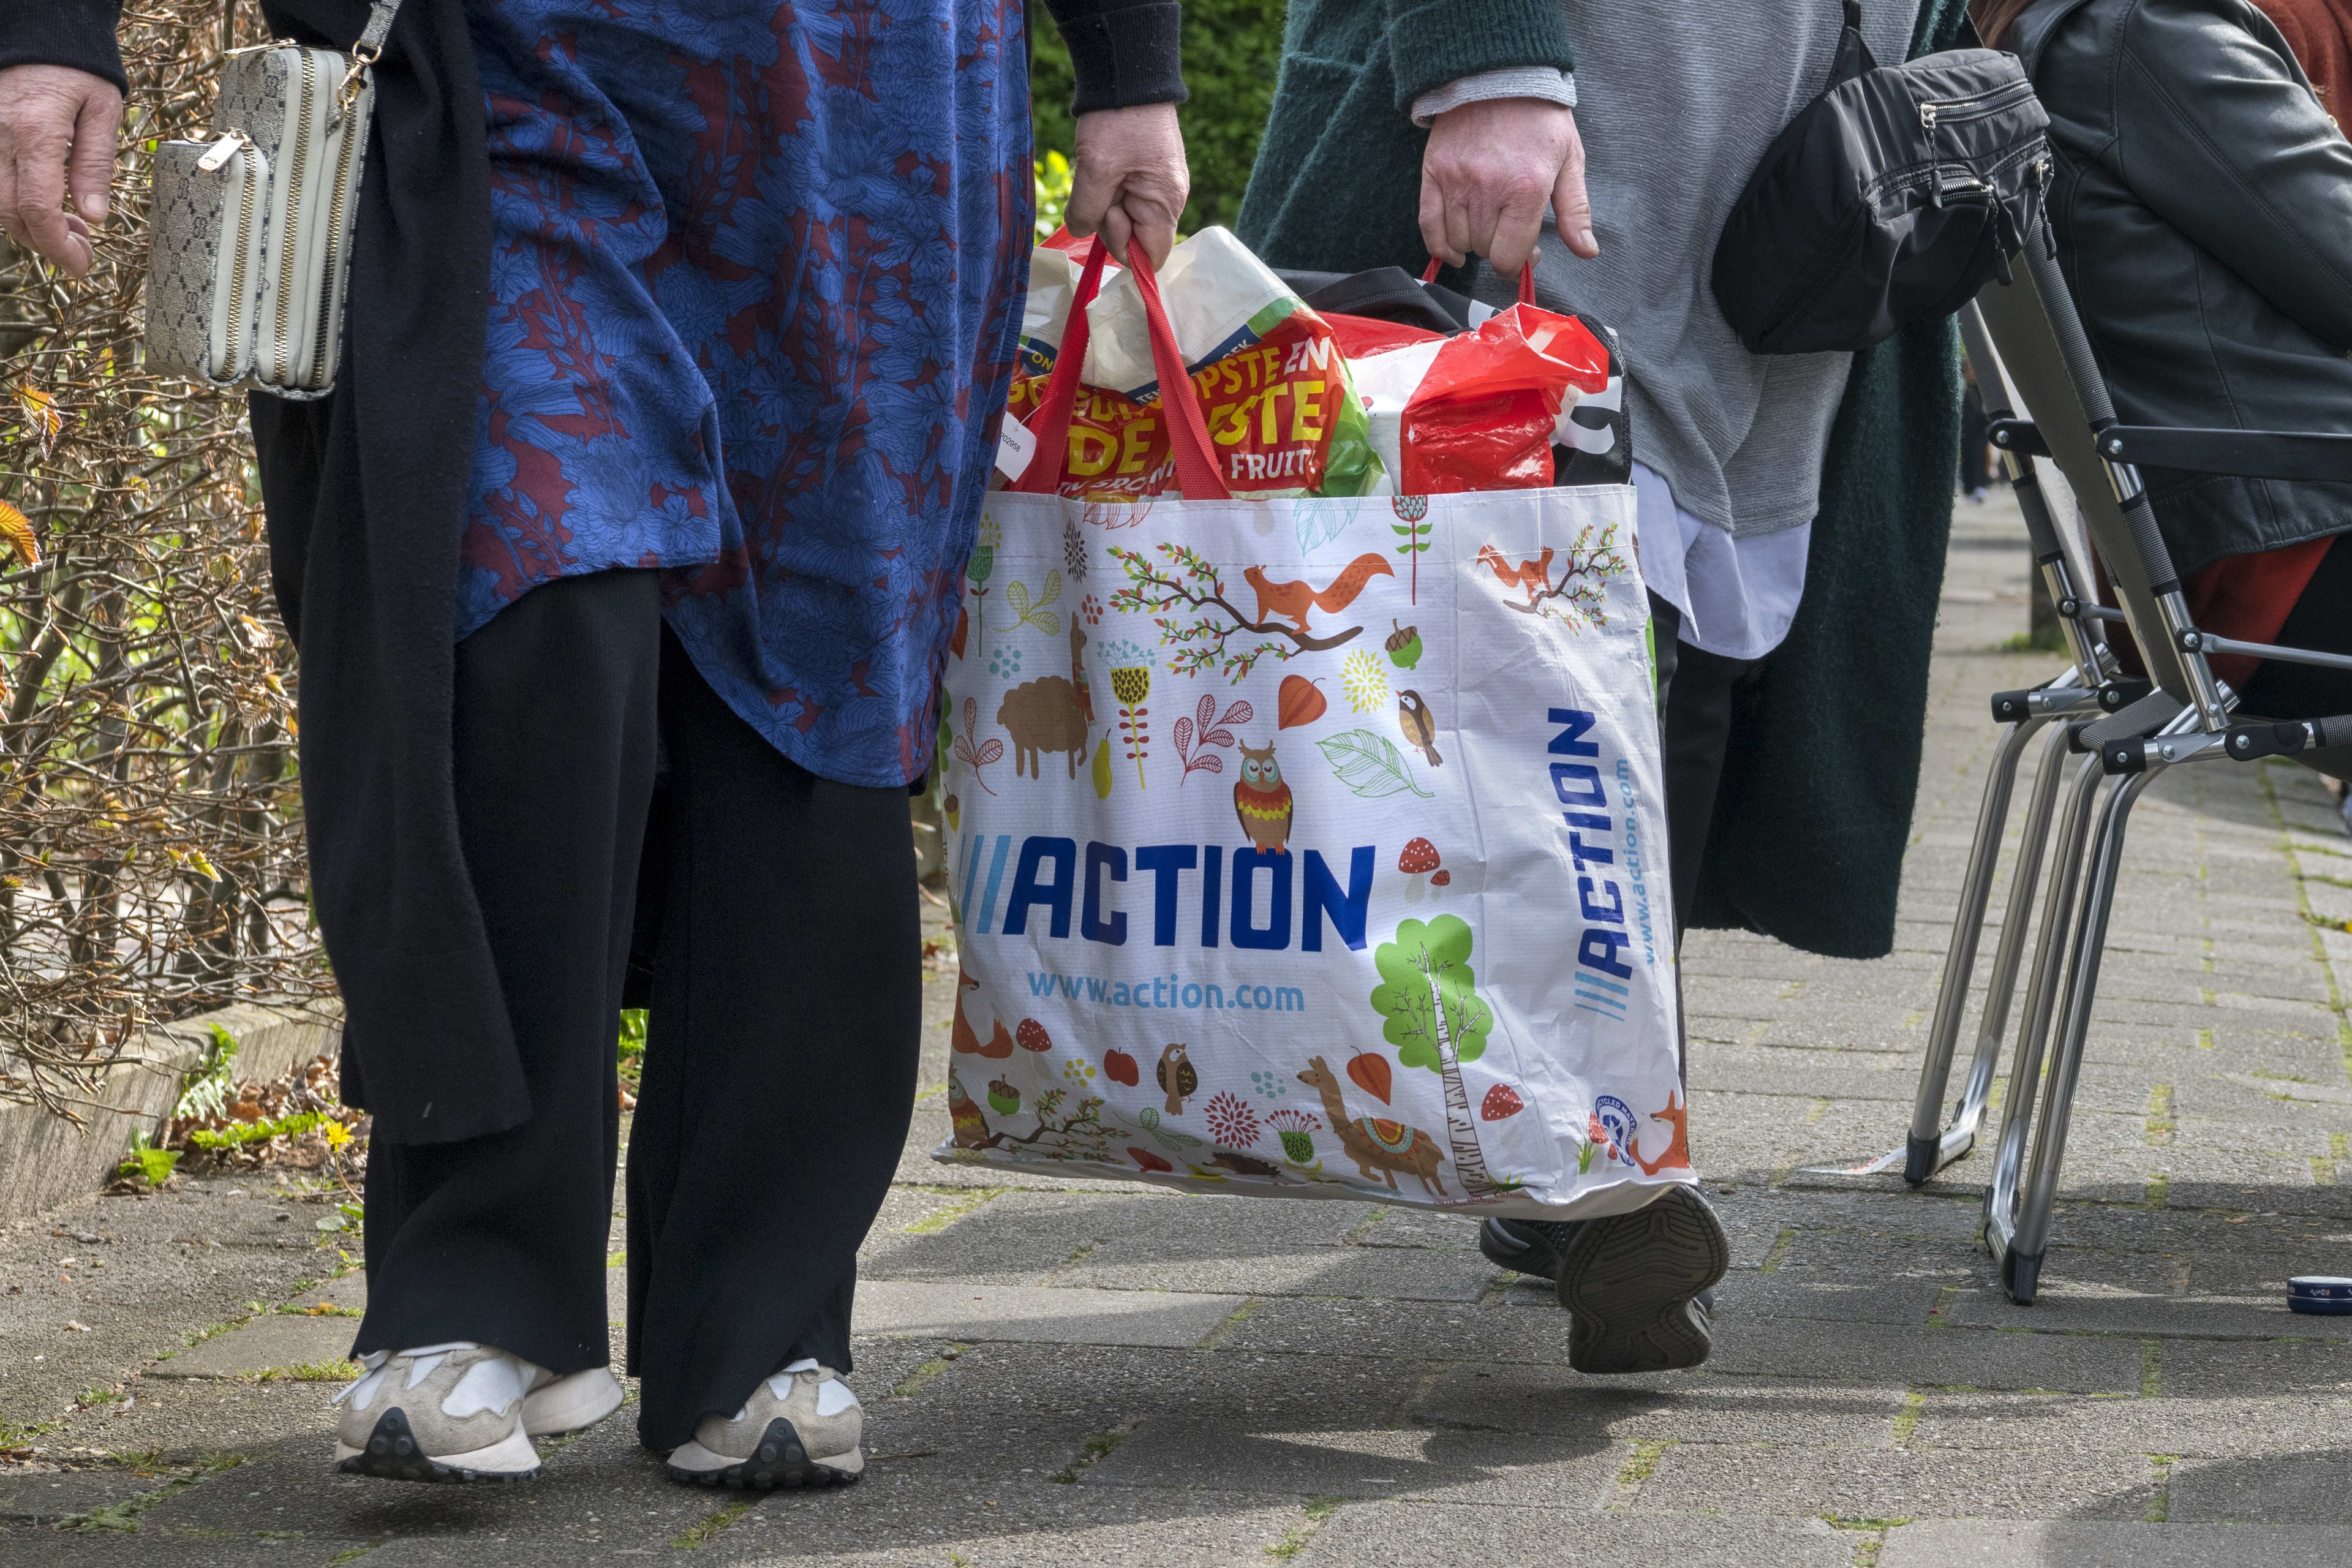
(1263, 801)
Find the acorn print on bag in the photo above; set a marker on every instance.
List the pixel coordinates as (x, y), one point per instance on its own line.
(1404, 645)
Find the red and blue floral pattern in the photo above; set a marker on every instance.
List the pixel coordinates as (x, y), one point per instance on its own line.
(755, 291)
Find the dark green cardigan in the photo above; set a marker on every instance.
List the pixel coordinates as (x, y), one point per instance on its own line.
(1815, 811)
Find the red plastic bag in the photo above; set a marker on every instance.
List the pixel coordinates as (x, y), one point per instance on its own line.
(1483, 416)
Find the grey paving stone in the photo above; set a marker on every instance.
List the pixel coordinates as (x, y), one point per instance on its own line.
(2306, 1488)
(1017, 1312)
(893, 1521)
(182, 1420)
(38, 1497)
(1413, 1534)
(1390, 1273)
(1858, 1278)
(1015, 1238)
(1025, 1411)
(599, 1492)
(35, 1546)
(1418, 1227)
(1793, 1070)
(1414, 1332)
(174, 1263)
(1662, 1407)
(2251, 1427)
(1943, 1357)
(1940, 1543)
(2065, 1305)
(346, 1293)
(1897, 1484)
(2195, 1369)
(272, 1340)
(1328, 1459)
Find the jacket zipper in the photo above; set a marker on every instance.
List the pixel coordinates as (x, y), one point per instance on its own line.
(288, 238)
(328, 329)
(1932, 113)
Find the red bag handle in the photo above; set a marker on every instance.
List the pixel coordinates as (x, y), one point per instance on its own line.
(1188, 428)
(1526, 280)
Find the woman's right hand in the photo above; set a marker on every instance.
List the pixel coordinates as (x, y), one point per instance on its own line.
(57, 129)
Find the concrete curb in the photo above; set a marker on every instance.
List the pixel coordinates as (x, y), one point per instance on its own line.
(45, 1160)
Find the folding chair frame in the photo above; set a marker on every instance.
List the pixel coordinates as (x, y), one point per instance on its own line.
(2130, 731)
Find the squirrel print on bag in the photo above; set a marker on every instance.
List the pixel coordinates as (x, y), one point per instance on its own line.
(1293, 600)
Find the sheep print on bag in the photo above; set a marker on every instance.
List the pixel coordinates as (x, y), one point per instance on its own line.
(1314, 847)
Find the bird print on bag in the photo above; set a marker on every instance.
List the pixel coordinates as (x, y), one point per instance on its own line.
(1263, 801)
(1178, 1077)
(1419, 726)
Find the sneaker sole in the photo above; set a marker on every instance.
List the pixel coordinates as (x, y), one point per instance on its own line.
(393, 1454)
(780, 1460)
(1504, 1249)
(1628, 1281)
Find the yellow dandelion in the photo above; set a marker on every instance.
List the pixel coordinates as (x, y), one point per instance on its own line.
(1132, 685)
(1366, 685)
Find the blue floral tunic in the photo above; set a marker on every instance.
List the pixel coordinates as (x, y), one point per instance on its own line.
(755, 291)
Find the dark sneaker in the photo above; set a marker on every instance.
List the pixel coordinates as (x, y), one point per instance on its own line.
(1533, 1247)
(1639, 1286)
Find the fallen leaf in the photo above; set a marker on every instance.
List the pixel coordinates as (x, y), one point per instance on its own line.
(16, 531)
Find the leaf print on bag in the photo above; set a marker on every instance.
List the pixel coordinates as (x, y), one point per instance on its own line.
(972, 753)
(1025, 614)
(1369, 764)
(1213, 731)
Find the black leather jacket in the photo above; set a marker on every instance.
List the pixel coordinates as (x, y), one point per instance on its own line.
(2203, 204)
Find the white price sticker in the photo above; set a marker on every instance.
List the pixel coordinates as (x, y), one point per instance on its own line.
(1014, 447)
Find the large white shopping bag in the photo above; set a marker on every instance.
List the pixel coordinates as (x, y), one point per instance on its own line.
(1311, 847)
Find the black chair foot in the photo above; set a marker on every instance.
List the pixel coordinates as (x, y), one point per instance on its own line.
(1919, 1157)
(2020, 1275)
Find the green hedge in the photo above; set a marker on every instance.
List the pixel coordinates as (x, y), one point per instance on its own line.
(1231, 51)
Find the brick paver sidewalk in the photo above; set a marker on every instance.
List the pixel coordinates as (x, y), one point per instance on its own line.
(1064, 1374)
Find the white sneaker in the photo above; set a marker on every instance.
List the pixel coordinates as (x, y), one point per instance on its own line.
(462, 1412)
(800, 1427)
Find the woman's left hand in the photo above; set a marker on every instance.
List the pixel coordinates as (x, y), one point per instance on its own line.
(1129, 179)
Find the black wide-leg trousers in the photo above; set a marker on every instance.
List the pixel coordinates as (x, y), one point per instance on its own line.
(609, 801)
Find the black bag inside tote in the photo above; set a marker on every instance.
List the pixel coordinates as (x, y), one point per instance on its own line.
(1890, 199)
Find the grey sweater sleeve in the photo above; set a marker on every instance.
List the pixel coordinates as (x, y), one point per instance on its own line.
(75, 32)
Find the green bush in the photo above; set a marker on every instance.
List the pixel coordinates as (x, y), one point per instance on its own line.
(1231, 51)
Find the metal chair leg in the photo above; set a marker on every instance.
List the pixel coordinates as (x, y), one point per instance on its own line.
(2049, 959)
(1960, 1136)
(1924, 1147)
(2022, 1265)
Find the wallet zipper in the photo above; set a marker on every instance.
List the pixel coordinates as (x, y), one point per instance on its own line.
(227, 147)
(290, 240)
(1931, 113)
(325, 334)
